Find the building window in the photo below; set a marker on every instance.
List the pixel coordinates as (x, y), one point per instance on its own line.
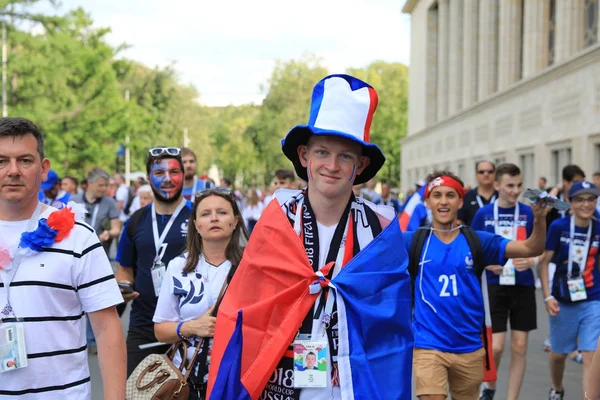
(590, 36)
(461, 171)
(526, 162)
(551, 32)
(560, 158)
(597, 157)
(499, 159)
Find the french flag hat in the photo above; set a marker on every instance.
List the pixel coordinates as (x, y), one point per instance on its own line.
(341, 106)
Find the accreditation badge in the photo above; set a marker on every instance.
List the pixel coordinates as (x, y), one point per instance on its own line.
(577, 289)
(159, 269)
(310, 364)
(13, 354)
(509, 274)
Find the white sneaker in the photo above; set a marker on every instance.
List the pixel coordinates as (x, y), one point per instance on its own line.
(556, 395)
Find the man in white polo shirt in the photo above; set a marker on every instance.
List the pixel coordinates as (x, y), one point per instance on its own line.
(52, 272)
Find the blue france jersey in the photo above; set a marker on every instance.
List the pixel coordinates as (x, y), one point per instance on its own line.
(558, 241)
(484, 221)
(138, 251)
(449, 311)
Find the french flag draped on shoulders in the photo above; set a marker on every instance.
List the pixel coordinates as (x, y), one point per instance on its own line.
(414, 212)
(269, 297)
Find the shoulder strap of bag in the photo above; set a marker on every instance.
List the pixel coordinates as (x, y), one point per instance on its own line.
(205, 342)
(476, 250)
(414, 256)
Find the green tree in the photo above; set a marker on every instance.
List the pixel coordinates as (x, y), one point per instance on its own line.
(391, 118)
(286, 104)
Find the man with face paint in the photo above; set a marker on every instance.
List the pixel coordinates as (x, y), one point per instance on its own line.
(337, 234)
(151, 238)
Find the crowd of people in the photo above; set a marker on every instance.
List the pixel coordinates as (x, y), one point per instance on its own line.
(367, 290)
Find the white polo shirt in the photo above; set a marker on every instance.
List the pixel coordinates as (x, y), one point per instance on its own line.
(51, 292)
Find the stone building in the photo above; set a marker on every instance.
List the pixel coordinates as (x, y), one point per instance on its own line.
(505, 80)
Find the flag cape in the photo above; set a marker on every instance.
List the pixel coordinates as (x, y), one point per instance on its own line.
(413, 212)
(269, 297)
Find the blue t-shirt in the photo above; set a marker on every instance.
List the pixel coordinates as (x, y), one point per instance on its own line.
(138, 252)
(449, 311)
(484, 221)
(187, 193)
(61, 200)
(557, 240)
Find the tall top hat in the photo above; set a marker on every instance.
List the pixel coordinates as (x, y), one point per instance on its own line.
(341, 106)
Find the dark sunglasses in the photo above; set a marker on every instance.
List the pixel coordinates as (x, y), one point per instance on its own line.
(159, 151)
(485, 171)
(206, 192)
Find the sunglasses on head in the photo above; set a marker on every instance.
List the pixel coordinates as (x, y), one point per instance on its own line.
(206, 192)
(159, 151)
(485, 171)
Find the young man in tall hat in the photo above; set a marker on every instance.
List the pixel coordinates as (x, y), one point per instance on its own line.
(328, 271)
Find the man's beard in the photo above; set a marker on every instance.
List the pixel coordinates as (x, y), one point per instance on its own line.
(163, 199)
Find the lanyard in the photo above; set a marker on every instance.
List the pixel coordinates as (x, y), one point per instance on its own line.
(94, 215)
(515, 221)
(586, 247)
(158, 241)
(8, 276)
(480, 202)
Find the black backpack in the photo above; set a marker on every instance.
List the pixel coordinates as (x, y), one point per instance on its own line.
(414, 257)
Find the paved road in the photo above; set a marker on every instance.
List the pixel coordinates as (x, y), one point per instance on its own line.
(535, 386)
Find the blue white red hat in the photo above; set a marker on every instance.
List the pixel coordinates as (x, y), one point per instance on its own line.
(341, 106)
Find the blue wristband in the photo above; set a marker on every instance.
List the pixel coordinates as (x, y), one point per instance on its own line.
(179, 331)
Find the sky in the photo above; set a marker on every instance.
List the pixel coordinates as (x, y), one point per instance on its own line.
(228, 48)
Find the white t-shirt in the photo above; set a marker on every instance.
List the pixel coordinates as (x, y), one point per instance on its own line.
(56, 287)
(252, 212)
(184, 297)
(135, 205)
(325, 236)
(122, 195)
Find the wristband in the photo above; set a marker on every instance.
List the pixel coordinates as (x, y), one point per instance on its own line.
(179, 335)
(547, 299)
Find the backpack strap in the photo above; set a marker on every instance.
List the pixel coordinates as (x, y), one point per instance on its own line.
(476, 250)
(414, 256)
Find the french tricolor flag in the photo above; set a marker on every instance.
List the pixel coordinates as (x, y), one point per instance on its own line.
(268, 299)
(414, 212)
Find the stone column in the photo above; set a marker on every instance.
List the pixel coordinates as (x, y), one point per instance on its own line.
(432, 66)
(470, 51)
(569, 28)
(455, 57)
(509, 59)
(535, 35)
(488, 48)
(442, 76)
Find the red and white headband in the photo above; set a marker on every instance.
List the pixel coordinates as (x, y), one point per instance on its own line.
(445, 181)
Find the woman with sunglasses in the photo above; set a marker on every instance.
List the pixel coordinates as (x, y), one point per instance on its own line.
(194, 281)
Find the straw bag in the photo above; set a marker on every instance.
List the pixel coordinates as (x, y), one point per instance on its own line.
(157, 378)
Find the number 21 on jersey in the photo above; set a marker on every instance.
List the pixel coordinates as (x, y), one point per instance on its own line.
(445, 281)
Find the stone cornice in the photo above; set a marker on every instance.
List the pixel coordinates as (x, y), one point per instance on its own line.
(578, 61)
(409, 6)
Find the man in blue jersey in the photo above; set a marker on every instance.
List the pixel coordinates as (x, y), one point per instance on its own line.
(191, 183)
(449, 307)
(511, 287)
(573, 302)
(152, 237)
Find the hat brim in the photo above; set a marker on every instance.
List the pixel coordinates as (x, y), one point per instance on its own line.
(300, 134)
(48, 185)
(594, 191)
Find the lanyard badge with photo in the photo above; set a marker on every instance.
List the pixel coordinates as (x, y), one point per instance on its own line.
(509, 274)
(159, 268)
(577, 253)
(13, 354)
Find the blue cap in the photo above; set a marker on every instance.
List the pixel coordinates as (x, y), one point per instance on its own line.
(50, 181)
(583, 187)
